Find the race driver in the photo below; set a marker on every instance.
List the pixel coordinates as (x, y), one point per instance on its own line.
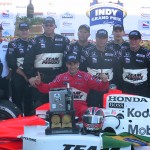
(45, 54)
(80, 81)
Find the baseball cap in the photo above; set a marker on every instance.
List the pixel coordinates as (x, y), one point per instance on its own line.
(23, 25)
(71, 58)
(84, 26)
(1, 27)
(135, 34)
(49, 20)
(102, 33)
(118, 26)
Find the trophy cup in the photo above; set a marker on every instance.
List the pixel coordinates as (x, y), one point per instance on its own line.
(61, 116)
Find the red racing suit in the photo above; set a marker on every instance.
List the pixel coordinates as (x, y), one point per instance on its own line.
(81, 83)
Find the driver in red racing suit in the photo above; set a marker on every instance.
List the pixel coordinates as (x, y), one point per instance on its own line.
(81, 82)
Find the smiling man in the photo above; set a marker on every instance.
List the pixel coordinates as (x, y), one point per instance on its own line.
(135, 65)
(45, 55)
(81, 82)
(21, 92)
(82, 43)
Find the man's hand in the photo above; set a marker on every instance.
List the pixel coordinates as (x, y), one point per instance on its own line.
(104, 77)
(34, 81)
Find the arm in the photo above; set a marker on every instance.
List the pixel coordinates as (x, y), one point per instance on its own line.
(21, 73)
(11, 57)
(118, 71)
(66, 47)
(12, 60)
(83, 60)
(97, 85)
(45, 88)
(29, 58)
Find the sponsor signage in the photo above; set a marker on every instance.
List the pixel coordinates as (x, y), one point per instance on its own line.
(144, 24)
(79, 147)
(139, 129)
(124, 98)
(67, 15)
(135, 111)
(110, 13)
(67, 24)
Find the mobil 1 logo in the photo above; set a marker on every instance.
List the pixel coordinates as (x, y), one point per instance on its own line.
(139, 129)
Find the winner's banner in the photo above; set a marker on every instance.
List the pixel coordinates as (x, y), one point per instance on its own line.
(106, 13)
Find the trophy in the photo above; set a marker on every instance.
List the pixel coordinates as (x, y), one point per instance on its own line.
(61, 116)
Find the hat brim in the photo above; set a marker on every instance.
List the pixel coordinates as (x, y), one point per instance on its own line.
(20, 28)
(69, 61)
(134, 37)
(118, 28)
(102, 36)
(50, 22)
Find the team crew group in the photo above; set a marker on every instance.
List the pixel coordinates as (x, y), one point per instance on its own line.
(51, 61)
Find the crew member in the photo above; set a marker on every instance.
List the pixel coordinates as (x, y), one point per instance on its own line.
(45, 55)
(82, 43)
(97, 60)
(80, 81)
(135, 65)
(118, 44)
(21, 89)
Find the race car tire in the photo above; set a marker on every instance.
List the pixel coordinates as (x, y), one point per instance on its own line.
(8, 110)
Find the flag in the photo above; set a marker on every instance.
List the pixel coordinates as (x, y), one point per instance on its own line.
(111, 140)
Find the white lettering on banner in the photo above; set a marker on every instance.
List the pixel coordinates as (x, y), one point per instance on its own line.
(99, 12)
(127, 99)
(48, 60)
(131, 112)
(139, 130)
(100, 18)
(115, 18)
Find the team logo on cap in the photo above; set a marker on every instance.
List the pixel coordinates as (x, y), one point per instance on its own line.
(72, 57)
(134, 33)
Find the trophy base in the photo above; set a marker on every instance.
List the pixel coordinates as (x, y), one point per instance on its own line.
(49, 130)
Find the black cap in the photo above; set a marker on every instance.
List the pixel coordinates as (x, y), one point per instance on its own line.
(71, 58)
(23, 25)
(49, 20)
(135, 34)
(1, 27)
(118, 26)
(102, 33)
(84, 26)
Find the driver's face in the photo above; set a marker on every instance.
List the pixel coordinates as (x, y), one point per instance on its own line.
(72, 67)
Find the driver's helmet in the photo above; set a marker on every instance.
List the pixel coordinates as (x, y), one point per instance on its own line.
(93, 119)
